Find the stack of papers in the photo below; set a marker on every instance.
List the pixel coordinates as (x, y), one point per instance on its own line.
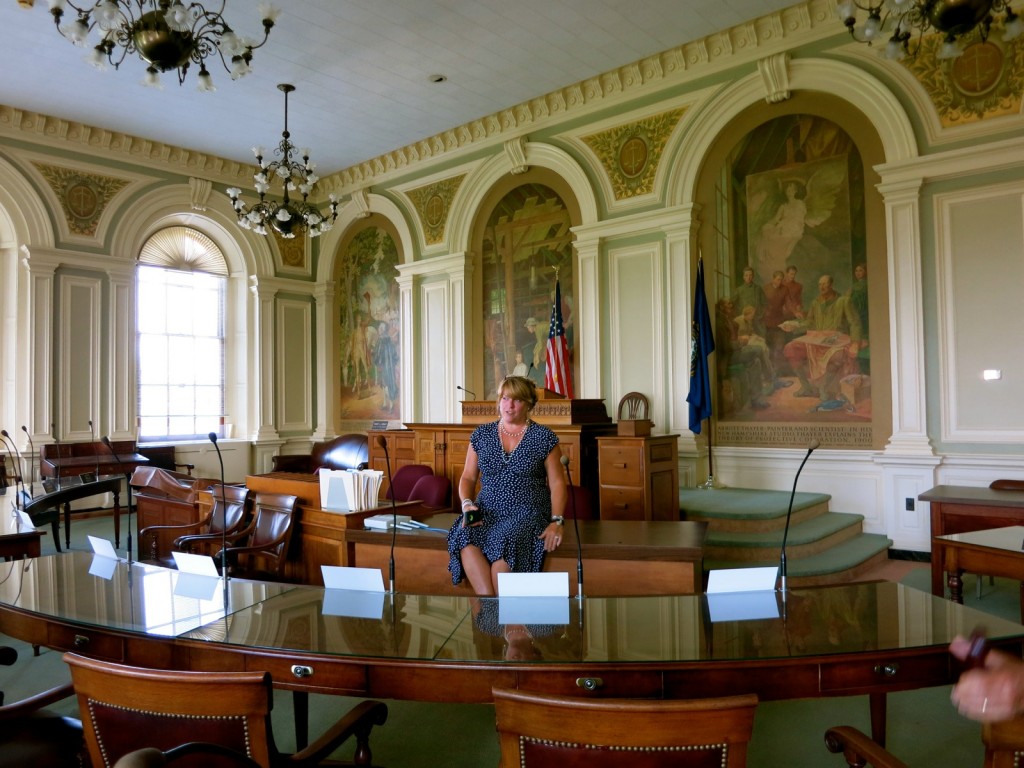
(385, 522)
(349, 490)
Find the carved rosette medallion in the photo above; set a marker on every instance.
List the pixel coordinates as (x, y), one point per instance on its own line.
(630, 153)
(83, 196)
(433, 203)
(986, 80)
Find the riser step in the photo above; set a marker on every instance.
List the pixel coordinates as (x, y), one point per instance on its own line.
(807, 548)
(746, 509)
(800, 532)
(841, 562)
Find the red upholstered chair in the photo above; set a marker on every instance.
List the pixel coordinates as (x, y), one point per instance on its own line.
(125, 709)
(580, 502)
(33, 736)
(404, 479)
(433, 491)
(545, 731)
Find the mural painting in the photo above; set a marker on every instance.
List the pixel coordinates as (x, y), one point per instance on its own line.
(526, 239)
(791, 317)
(370, 327)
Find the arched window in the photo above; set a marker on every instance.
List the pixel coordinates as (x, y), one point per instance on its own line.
(182, 279)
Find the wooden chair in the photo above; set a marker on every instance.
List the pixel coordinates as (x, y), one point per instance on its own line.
(1004, 746)
(32, 735)
(205, 536)
(405, 480)
(261, 550)
(542, 731)
(125, 709)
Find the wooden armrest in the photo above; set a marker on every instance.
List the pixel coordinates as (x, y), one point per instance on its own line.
(36, 702)
(857, 747)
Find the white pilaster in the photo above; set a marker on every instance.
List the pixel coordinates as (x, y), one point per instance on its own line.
(327, 363)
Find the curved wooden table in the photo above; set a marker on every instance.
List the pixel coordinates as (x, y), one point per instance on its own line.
(855, 639)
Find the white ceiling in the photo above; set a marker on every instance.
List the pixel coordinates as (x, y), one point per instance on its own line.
(361, 69)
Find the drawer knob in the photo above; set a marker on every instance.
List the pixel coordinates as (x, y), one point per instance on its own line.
(887, 670)
(589, 683)
(81, 641)
(302, 671)
(619, 464)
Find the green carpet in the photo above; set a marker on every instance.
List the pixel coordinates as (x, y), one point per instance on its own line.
(744, 502)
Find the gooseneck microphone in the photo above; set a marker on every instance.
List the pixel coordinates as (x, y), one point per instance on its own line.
(56, 444)
(576, 528)
(394, 513)
(31, 464)
(789, 515)
(224, 519)
(16, 469)
(463, 389)
(128, 482)
(92, 436)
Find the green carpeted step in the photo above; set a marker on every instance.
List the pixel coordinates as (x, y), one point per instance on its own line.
(743, 503)
(842, 557)
(799, 533)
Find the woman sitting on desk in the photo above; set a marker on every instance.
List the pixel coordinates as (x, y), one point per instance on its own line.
(522, 494)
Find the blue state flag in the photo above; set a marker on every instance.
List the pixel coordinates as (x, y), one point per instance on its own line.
(702, 344)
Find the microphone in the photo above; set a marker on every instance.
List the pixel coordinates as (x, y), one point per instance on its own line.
(576, 527)
(394, 512)
(789, 514)
(56, 442)
(106, 441)
(92, 436)
(224, 519)
(15, 468)
(32, 464)
(463, 389)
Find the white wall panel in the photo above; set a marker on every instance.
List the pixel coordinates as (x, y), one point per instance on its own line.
(294, 365)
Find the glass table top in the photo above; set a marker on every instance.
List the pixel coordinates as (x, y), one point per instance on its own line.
(1009, 539)
(821, 621)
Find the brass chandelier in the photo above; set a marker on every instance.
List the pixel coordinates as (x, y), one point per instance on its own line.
(166, 34)
(905, 20)
(288, 216)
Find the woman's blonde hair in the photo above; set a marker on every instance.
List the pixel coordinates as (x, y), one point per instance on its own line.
(518, 388)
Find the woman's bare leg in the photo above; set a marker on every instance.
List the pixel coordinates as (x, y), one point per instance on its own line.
(498, 566)
(477, 570)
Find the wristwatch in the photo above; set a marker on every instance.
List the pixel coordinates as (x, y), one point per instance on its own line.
(557, 519)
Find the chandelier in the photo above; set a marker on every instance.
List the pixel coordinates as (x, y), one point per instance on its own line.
(902, 20)
(287, 216)
(166, 34)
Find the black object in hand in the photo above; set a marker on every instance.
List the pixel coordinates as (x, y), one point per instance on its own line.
(978, 651)
(471, 516)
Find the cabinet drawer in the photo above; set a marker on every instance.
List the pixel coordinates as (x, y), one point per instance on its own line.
(313, 673)
(847, 677)
(621, 465)
(622, 504)
(592, 684)
(95, 644)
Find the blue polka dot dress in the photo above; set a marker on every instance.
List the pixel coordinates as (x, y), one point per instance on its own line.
(514, 499)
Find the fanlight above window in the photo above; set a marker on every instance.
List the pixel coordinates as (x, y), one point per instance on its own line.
(183, 248)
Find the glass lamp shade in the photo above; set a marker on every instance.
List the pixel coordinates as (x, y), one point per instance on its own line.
(286, 219)
(158, 44)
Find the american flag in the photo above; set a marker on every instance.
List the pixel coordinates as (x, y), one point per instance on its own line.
(558, 364)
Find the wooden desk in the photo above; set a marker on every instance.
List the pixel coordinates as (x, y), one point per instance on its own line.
(15, 540)
(619, 558)
(993, 552)
(443, 648)
(74, 459)
(45, 507)
(958, 509)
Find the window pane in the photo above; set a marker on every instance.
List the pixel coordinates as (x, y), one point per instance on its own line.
(180, 318)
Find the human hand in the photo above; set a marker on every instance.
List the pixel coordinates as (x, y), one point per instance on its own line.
(993, 692)
(552, 537)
